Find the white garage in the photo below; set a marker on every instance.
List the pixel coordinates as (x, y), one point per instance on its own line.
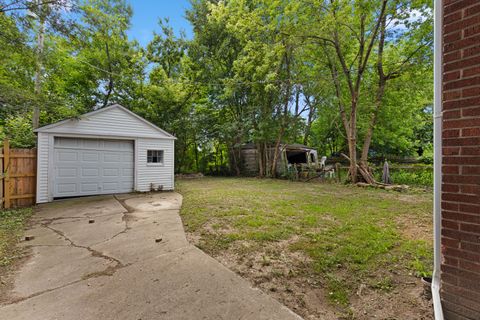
(107, 151)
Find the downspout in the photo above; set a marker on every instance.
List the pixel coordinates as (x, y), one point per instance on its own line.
(437, 159)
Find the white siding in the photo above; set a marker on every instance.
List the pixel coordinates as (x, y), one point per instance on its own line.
(42, 167)
(153, 173)
(114, 122)
(111, 122)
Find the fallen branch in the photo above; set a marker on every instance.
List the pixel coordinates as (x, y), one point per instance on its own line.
(366, 175)
(394, 187)
(371, 182)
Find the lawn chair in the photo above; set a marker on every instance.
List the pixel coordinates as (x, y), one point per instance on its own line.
(322, 162)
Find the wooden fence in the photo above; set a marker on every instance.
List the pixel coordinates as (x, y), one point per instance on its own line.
(18, 169)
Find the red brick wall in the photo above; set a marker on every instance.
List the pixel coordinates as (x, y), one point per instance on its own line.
(461, 160)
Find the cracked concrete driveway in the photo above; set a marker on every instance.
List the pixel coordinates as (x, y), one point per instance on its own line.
(126, 257)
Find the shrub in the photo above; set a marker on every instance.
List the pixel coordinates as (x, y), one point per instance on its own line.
(19, 130)
(423, 177)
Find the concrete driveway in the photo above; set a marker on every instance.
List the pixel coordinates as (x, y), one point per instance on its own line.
(126, 257)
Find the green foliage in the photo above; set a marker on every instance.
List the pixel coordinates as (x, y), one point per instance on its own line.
(420, 256)
(12, 223)
(338, 292)
(255, 71)
(18, 129)
(385, 284)
(417, 177)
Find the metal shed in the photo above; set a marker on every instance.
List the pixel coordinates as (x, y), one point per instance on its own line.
(107, 151)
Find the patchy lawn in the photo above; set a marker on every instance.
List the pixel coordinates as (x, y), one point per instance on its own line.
(12, 224)
(327, 251)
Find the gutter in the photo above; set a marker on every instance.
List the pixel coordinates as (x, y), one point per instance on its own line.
(437, 159)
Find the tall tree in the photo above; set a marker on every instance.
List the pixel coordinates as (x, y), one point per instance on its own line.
(347, 33)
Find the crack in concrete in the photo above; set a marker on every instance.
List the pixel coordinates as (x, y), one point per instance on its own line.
(93, 252)
(33, 295)
(110, 270)
(124, 204)
(51, 220)
(48, 245)
(125, 218)
(106, 272)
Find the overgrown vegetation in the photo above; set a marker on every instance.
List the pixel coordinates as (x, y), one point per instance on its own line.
(12, 223)
(419, 177)
(344, 230)
(352, 76)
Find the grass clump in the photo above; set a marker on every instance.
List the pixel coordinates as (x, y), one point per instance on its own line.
(351, 235)
(12, 223)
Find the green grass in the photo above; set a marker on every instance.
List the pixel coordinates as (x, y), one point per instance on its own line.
(345, 230)
(12, 223)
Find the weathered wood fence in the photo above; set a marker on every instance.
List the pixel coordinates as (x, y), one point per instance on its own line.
(18, 169)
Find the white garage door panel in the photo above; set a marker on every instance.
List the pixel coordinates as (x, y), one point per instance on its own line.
(92, 166)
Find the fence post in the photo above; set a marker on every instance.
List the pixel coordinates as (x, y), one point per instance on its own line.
(6, 167)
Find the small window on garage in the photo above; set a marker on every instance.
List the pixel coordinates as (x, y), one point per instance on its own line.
(155, 156)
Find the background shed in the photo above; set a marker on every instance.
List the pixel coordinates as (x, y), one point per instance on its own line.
(290, 155)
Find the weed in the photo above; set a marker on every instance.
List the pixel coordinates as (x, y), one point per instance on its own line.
(12, 223)
(342, 229)
(385, 284)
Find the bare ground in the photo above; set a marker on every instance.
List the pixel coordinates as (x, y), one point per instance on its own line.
(286, 274)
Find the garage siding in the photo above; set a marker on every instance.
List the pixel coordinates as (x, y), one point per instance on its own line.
(42, 167)
(110, 123)
(152, 173)
(116, 122)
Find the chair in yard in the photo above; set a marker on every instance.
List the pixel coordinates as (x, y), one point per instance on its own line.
(322, 162)
(324, 171)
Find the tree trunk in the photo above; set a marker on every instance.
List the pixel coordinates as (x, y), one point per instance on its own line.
(235, 161)
(276, 152)
(196, 155)
(259, 150)
(284, 114)
(352, 139)
(308, 126)
(39, 66)
(382, 82)
(110, 78)
(352, 150)
(373, 120)
(266, 151)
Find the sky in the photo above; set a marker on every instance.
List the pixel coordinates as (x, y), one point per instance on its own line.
(147, 12)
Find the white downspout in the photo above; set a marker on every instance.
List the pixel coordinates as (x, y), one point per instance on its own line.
(437, 158)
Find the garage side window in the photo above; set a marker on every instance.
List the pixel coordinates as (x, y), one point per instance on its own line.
(155, 156)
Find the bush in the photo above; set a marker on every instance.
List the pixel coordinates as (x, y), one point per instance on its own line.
(423, 177)
(427, 156)
(19, 130)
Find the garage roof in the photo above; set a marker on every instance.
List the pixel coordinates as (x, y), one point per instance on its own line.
(114, 120)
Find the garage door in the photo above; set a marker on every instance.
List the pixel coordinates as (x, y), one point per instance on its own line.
(92, 166)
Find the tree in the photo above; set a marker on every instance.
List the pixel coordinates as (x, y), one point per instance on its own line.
(344, 76)
(347, 33)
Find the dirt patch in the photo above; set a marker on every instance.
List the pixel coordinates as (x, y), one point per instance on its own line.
(7, 274)
(286, 276)
(276, 270)
(326, 252)
(421, 229)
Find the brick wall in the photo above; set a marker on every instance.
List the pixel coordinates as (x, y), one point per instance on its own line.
(461, 160)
